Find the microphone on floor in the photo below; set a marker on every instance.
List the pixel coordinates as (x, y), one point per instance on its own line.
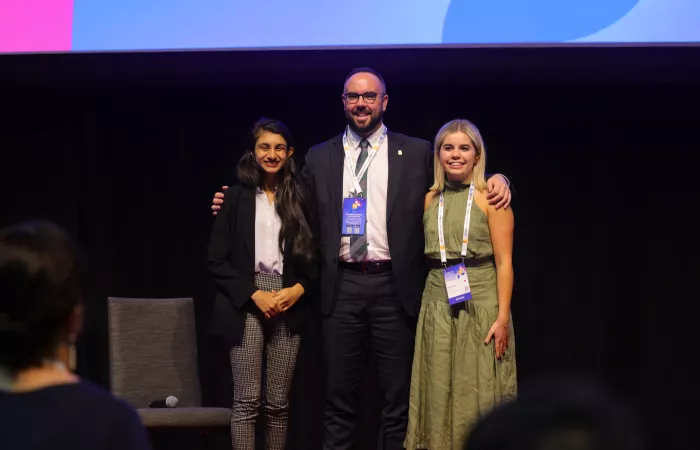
(169, 402)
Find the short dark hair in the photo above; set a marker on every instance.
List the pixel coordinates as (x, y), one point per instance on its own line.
(365, 70)
(40, 286)
(559, 412)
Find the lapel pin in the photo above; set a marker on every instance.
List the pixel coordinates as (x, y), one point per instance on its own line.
(400, 153)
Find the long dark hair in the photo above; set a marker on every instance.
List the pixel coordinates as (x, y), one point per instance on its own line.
(292, 194)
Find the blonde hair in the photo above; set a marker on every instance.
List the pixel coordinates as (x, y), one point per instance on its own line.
(479, 170)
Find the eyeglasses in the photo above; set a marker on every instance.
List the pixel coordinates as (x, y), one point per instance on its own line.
(369, 97)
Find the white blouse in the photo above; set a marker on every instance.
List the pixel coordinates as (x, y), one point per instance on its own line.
(268, 256)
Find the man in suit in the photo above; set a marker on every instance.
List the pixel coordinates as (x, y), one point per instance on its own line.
(370, 283)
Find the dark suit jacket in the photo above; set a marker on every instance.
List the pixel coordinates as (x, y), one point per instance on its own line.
(410, 177)
(232, 262)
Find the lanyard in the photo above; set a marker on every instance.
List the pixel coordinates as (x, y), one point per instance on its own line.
(441, 231)
(365, 166)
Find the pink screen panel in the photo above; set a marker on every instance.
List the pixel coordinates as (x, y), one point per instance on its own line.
(35, 25)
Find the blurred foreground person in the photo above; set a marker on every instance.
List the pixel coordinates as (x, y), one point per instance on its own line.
(558, 414)
(43, 404)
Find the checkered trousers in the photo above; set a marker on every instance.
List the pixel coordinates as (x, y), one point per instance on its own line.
(268, 282)
(268, 344)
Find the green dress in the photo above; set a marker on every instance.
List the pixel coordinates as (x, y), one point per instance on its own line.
(455, 378)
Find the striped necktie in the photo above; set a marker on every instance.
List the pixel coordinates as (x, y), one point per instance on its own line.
(358, 244)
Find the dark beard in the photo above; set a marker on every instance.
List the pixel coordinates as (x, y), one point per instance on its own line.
(371, 126)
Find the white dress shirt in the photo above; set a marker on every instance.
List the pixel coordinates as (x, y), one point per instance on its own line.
(268, 256)
(377, 184)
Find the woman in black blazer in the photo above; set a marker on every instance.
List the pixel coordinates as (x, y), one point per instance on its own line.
(262, 258)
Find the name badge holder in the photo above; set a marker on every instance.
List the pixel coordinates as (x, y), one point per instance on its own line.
(355, 206)
(456, 280)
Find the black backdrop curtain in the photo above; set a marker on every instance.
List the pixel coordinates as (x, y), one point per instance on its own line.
(604, 172)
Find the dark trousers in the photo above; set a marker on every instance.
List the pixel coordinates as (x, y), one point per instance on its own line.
(367, 316)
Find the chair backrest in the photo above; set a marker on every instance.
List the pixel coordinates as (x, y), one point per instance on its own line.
(153, 350)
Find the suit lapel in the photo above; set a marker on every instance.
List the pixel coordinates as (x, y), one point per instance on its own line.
(247, 209)
(395, 167)
(336, 163)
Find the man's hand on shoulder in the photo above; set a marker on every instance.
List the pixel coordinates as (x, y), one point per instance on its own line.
(499, 191)
(218, 200)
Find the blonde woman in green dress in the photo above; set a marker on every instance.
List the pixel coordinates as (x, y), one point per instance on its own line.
(464, 361)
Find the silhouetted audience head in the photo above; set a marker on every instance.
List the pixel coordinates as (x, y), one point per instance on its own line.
(562, 413)
(40, 295)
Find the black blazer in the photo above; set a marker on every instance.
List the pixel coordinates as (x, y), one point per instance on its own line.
(410, 177)
(232, 260)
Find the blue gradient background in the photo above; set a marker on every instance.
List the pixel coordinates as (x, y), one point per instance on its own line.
(190, 24)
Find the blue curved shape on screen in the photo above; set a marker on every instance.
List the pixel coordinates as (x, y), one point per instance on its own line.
(513, 21)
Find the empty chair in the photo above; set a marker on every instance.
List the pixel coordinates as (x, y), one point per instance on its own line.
(153, 355)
